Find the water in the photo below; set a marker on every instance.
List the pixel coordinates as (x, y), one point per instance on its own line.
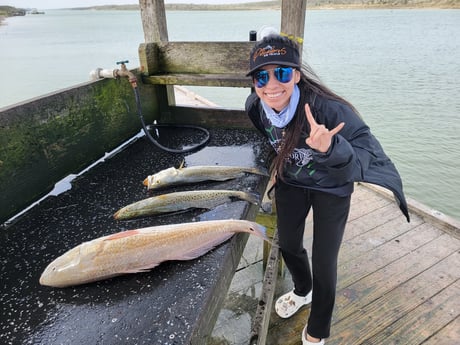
(400, 68)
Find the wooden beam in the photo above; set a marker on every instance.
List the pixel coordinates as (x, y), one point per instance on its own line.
(196, 63)
(153, 15)
(224, 80)
(148, 58)
(196, 57)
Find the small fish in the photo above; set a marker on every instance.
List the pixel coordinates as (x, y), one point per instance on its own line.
(140, 250)
(178, 201)
(173, 176)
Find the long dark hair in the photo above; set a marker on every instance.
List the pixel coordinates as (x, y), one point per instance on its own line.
(310, 87)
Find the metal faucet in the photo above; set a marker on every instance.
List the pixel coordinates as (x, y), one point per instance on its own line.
(124, 72)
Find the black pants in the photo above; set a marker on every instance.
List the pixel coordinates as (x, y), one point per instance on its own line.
(330, 215)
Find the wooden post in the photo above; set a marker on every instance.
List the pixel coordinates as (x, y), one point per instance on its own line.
(153, 15)
(293, 20)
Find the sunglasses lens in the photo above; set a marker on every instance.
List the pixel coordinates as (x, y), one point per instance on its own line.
(283, 74)
(261, 78)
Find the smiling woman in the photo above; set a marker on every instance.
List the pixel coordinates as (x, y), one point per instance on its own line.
(322, 147)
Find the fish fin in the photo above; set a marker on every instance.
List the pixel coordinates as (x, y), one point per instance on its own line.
(205, 247)
(122, 234)
(182, 164)
(142, 269)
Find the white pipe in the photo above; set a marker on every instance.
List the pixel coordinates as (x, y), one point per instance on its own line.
(100, 73)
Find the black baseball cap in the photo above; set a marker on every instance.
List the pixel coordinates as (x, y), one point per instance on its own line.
(274, 50)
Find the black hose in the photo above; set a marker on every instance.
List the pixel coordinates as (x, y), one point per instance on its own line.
(155, 142)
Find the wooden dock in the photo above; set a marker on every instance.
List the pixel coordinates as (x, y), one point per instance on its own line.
(398, 282)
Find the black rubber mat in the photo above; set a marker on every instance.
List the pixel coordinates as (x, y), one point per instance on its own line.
(175, 303)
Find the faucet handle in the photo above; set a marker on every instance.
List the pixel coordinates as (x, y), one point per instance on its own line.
(122, 62)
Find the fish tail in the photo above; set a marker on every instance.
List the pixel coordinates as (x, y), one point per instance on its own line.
(260, 231)
(259, 171)
(118, 215)
(124, 213)
(253, 198)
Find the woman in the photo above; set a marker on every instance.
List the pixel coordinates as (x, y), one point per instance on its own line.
(322, 147)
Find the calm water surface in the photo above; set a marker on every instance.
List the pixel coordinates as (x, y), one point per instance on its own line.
(400, 68)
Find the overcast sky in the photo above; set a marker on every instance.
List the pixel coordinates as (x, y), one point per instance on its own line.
(49, 4)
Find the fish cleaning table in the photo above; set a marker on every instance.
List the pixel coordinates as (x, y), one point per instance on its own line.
(174, 303)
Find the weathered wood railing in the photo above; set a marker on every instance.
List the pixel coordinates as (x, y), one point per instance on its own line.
(196, 63)
(222, 64)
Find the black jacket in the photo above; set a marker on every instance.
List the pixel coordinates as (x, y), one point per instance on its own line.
(355, 154)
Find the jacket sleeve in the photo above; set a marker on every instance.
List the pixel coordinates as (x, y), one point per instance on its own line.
(253, 109)
(352, 149)
(356, 155)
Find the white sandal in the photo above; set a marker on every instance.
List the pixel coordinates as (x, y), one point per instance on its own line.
(288, 304)
(306, 342)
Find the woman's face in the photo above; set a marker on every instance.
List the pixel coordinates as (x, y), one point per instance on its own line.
(275, 93)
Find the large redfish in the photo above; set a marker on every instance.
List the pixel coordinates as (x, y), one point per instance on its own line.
(193, 174)
(140, 250)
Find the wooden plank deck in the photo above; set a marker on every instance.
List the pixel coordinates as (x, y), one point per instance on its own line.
(398, 282)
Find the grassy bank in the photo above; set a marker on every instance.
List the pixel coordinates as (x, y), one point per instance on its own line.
(10, 11)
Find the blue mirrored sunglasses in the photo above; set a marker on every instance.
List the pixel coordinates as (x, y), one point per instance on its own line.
(282, 74)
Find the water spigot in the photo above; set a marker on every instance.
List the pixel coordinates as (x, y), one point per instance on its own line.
(124, 72)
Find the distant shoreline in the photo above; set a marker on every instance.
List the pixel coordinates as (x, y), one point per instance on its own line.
(274, 6)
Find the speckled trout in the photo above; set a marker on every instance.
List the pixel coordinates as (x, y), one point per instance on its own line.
(179, 201)
(187, 175)
(140, 250)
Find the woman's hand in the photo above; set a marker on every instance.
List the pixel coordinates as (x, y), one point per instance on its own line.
(320, 137)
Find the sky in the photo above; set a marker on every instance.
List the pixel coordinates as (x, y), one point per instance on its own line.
(53, 4)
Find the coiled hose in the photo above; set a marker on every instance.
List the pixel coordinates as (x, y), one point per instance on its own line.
(152, 127)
